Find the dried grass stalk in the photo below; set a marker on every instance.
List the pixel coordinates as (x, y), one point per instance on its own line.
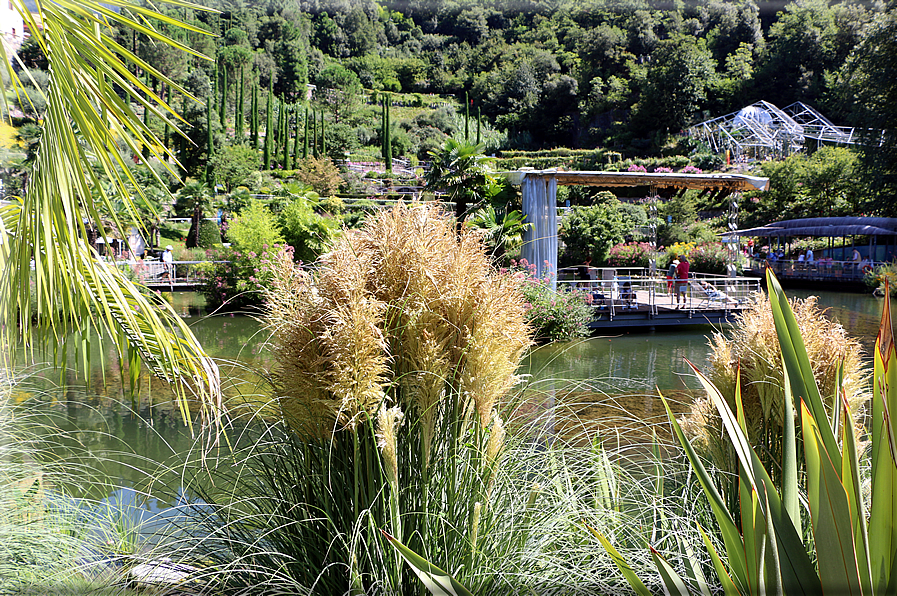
(404, 305)
(753, 344)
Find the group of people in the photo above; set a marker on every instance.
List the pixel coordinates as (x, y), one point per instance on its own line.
(677, 275)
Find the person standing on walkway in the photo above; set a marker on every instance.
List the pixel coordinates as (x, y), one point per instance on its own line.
(671, 275)
(168, 262)
(682, 282)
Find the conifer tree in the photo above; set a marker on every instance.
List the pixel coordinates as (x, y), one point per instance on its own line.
(296, 137)
(305, 138)
(254, 117)
(269, 125)
(323, 142)
(210, 141)
(167, 138)
(288, 160)
(238, 122)
(479, 123)
(466, 118)
(314, 135)
(387, 133)
(222, 108)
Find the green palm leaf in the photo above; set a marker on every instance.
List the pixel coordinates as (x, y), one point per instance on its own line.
(84, 121)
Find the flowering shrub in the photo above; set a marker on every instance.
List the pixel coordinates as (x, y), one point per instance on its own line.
(876, 278)
(629, 254)
(237, 282)
(554, 316)
(709, 257)
(663, 170)
(691, 170)
(636, 168)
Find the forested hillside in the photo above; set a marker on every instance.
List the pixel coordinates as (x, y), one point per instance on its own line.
(621, 75)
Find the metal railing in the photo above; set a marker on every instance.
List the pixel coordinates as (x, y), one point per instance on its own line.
(619, 294)
(817, 270)
(176, 272)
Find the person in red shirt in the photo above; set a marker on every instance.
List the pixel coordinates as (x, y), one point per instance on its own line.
(682, 281)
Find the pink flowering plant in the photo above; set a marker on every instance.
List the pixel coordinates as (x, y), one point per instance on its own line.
(235, 282)
(629, 254)
(691, 170)
(709, 257)
(553, 315)
(636, 168)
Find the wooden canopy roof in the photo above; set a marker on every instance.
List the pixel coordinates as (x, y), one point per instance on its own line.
(730, 182)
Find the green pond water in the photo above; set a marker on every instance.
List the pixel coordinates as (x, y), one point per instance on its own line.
(138, 431)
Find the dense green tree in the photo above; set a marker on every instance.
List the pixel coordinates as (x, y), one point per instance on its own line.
(338, 90)
(233, 164)
(867, 84)
(590, 232)
(675, 84)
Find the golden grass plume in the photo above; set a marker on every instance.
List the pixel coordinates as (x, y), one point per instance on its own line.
(404, 307)
(753, 344)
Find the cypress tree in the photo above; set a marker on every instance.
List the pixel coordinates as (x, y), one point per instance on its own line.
(305, 138)
(323, 142)
(269, 126)
(388, 156)
(281, 127)
(210, 141)
(466, 118)
(238, 123)
(222, 108)
(254, 117)
(167, 138)
(314, 135)
(215, 83)
(296, 138)
(479, 122)
(383, 129)
(145, 151)
(288, 160)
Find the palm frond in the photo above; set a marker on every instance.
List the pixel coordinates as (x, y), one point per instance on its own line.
(52, 281)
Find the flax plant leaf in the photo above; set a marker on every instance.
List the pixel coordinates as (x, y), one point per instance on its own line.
(883, 512)
(797, 571)
(625, 568)
(830, 512)
(437, 581)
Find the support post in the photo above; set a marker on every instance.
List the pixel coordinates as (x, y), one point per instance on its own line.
(540, 241)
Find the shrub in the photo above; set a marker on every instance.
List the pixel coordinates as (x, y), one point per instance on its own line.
(710, 257)
(630, 254)
(553, 316)
(237, 280)
(209, 234)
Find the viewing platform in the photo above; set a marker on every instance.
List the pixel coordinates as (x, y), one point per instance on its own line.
(622, 298)
(183, 276)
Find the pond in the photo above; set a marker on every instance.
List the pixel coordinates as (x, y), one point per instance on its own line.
(616, 375)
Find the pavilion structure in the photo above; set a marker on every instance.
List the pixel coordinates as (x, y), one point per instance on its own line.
(763, 131)
(539, 193)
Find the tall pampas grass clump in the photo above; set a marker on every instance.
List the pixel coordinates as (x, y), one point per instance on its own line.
(392, 360)
(753, 347)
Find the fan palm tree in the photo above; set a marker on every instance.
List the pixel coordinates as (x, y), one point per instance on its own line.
(52, 283)
(464, 172)
(503, 233)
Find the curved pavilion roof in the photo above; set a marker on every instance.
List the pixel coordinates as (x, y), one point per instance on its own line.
(825, 227)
